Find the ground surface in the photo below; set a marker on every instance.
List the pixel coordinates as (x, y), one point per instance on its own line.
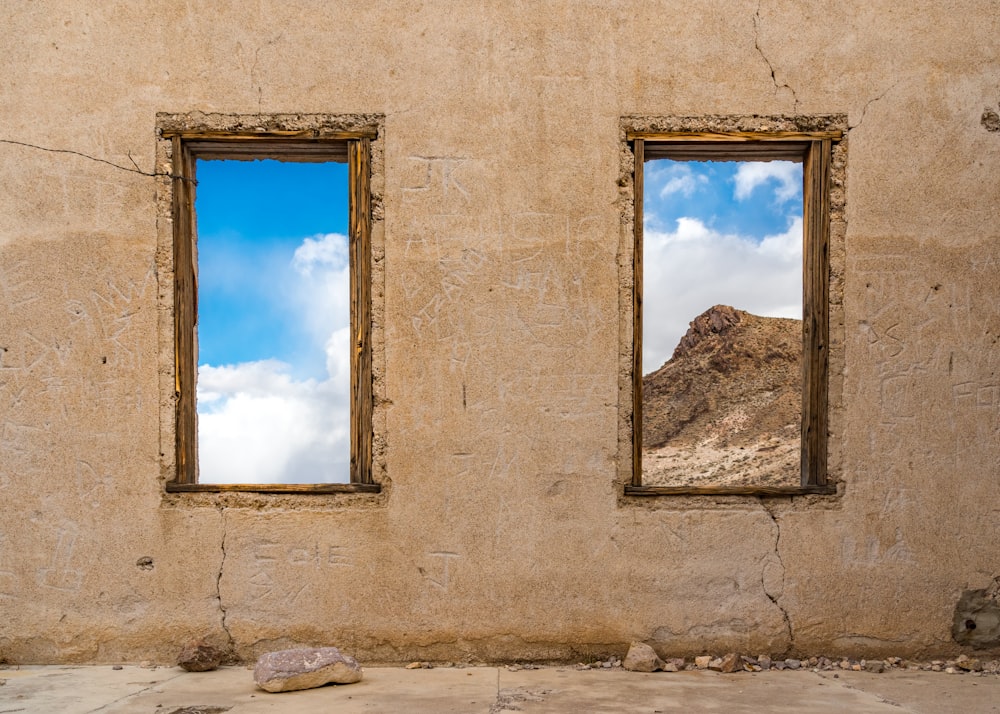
(493, 690)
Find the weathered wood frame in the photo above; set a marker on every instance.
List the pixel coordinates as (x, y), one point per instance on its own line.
(352, 147)
(814, 150)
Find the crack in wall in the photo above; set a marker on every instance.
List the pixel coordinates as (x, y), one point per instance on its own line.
(134, 170)
(772, 598)
(864, 109)
(770, 67)
(254, 82)
(218, 585)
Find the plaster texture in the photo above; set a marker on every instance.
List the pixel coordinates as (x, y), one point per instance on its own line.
(502, 530)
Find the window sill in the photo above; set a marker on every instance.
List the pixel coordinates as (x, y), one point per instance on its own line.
(302, 488)
(814, 490)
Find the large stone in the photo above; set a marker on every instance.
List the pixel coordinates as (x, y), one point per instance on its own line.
(642, 658)
(305, 668)
(198, 656)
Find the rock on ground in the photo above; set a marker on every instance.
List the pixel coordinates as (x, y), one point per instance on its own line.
(642, 658)
(305, 668)
(198, 656)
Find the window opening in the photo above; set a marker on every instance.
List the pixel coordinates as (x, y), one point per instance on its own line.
(731, 311)
(272, 310)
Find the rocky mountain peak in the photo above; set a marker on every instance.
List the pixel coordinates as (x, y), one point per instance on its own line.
(714, 321)
(725, 408)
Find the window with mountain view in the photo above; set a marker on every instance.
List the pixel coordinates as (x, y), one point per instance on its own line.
(731, 235)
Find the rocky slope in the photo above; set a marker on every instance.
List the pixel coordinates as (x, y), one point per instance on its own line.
(725, 409)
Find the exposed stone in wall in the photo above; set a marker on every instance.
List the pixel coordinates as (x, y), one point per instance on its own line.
(977, 618)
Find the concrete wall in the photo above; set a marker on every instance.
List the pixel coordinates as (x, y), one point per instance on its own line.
(502, 531)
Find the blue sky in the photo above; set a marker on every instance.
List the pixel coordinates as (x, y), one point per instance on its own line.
(252, 216)
(718, 233)
(273, 322)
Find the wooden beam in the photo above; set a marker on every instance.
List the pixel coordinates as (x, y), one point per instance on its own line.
(638, 150)
(816, 311)
(824, 490)
(734, 136)
(185, 313)
(305, 488)
(236, 136)
(359, 157)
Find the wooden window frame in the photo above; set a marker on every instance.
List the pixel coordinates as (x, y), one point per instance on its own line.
(815, 150)
(312, 145)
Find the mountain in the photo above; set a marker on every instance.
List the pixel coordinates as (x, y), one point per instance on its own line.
(725, 409)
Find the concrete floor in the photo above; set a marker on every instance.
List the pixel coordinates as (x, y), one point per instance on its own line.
(492, 690)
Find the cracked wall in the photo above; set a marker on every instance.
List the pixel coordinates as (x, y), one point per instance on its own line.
(502, 531)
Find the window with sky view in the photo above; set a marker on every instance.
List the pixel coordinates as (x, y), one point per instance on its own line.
(273, 322)
(718, 232)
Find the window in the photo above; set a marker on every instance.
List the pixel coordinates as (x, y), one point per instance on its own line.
(737, 404)
(249, 415)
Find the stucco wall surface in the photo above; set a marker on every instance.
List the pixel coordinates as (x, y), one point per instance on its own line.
(502, 531)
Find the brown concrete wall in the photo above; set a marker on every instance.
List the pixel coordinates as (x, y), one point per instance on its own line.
(501, 532)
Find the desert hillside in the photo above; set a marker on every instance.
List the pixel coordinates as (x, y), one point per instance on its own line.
(725, 409)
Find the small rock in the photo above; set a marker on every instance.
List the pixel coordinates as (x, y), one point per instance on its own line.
(779, 665)
(793, 663)
(969, 664)
(844, 664)
(146, 664)
(702, 661)
(935, 668)
(198, 656)
(874, 665)
(731, 663)
(414, 665)
(3, 682)
(671, 666)
(117, 666)
(642, 658)
(764, 662)
(952, 670)
(813, 661)
(304, 668)
(856, 667)
(716, 664)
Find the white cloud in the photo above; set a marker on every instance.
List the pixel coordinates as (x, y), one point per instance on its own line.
(262, 426)
(259, 424)
(679, 178)
(327, 251)
(689, 270)
(752, 174)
